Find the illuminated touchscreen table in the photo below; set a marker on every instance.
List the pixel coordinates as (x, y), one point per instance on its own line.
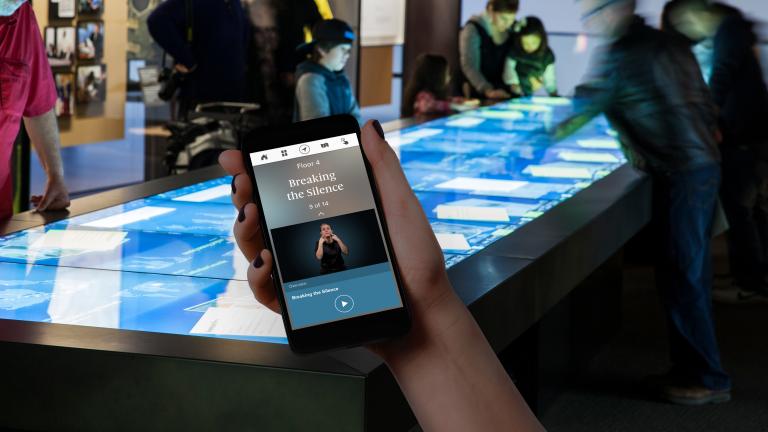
(168, 263)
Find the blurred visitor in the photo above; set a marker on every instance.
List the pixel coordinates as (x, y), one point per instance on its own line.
(429, 89)
(530, 63)
(649, 86)
(208, 41)
(27, 92)
(484, 43)
(322, 87)
(740, 92)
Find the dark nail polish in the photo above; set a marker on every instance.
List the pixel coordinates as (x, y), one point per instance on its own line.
(258, 262)
(241, 214)
(379, 130)
(234, 188)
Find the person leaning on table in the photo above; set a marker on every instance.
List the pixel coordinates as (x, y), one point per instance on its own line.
(27, 93)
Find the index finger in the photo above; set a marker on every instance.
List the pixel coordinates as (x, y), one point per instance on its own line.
(232, 162)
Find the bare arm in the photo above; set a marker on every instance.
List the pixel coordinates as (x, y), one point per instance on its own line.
(452, 365)
(445, 367)
(44, 134)
(550, 80)
(319, 251)
(469, 56)
(344, 248)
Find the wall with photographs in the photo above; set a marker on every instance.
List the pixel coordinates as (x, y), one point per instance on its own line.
(87, 41)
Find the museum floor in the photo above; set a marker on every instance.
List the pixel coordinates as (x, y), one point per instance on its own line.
(609, 396)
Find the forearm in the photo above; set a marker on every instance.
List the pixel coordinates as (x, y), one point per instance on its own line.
(469, 50)
(44, 133)
(452, 365)
(550, 79)
(344, 248)
(319, 251)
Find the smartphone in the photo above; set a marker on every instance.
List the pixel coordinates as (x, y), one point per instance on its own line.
(335, 274)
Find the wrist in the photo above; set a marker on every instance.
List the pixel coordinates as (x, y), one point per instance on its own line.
(434, 334)
(56, 174)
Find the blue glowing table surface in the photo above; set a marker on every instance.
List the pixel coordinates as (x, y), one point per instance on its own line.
(168, 263)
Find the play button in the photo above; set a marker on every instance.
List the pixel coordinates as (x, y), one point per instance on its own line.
(344, 303)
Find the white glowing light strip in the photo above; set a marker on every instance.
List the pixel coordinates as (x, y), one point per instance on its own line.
(606, 143)
(558, 172)
(466, 122)
(490, 214)
(78, 240)
(452, 241)
(587, 157)
(129, 217)
(422, 133)
(482, 185)
(206, 195)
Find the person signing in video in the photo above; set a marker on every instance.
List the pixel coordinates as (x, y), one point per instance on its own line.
(329, 251)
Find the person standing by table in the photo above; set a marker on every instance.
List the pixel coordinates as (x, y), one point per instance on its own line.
(530, 64)
(208, 41)
(322, 87)
(484, 43)
(28, 93)
(650, 87)
(736, 81)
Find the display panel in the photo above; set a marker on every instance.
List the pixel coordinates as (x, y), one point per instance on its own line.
(168, 263)
(323, 224)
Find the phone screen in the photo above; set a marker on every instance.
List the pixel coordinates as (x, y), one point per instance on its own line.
(325, 230)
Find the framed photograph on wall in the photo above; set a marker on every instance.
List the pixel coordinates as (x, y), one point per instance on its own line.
(90, 7)
(90, 40)
(60, 46)
(91, 85)
(65, 94)
(61, 9)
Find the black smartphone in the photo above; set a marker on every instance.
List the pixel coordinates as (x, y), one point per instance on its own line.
(335, 273)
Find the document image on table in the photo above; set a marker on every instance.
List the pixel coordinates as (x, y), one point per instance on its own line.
(475, 209)
(563, 170)
(502, 188)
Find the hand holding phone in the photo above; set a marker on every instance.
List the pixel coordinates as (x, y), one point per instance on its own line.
(440, 362)
(418, 255)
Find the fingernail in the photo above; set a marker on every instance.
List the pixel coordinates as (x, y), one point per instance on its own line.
(241, 214)
(379, 130)
(234, 188)
(258, 262)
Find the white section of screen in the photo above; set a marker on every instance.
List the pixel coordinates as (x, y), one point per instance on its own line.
(239, 321)
(306, 149)
(451, 241)
(587, 157)
(206, 195)
(479, 184)
(78, 240)
(130, 217)
(472, 213)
